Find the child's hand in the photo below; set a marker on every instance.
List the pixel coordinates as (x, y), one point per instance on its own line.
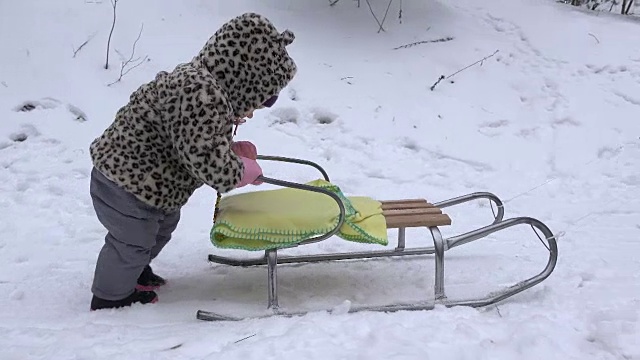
(251, 172)
(245, 149)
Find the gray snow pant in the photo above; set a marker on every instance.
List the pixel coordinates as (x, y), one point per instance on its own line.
(136, 234)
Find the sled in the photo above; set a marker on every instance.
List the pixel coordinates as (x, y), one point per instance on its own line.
(400, 215)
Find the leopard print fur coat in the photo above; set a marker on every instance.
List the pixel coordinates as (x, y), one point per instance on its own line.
(175, 133)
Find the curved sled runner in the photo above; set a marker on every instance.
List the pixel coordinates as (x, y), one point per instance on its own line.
(397, 214)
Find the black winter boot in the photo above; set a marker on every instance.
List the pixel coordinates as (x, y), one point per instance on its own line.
(142, 297)
(148, 281)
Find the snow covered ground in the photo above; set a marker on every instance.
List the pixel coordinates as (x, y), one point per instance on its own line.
(549, 124)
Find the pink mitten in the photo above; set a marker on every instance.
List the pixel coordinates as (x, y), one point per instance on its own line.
(251, 172)
(245, 149)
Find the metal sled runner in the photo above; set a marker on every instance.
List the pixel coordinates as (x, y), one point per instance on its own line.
(398, 214)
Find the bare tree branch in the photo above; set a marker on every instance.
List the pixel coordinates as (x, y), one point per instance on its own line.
(131, 63)
(76, 51)
(374, 16)
(114, 4)
(481, 62)
(448, 38)
(385, 15)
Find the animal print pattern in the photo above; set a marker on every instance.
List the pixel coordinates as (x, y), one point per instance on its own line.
(175, 133)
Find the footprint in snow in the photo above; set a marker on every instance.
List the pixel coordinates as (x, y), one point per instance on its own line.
(565, 121)
(500, 25)
(44, 103)
(48, 103)
(507, 59)
(323, 116)
(631, 180)
(21, 135)
(293, 94)
(626, 97)
(373, 174)
(80, 173)
(609, 69)
(495, 124)
(285, 115)
(55, 190)
(585, 279)
(17, 295)
(411, 145)
(608, 152)
(493, 128)
(23, 186)
(528, 133)
(292, 115)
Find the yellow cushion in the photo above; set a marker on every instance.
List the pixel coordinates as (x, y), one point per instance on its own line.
(285, 217)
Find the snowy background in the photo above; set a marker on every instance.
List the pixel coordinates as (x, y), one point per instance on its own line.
(550, 123)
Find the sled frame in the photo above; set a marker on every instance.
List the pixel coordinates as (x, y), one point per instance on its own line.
(400, 214)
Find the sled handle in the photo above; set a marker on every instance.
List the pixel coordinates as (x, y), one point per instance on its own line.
(294, 161)
(316, 189)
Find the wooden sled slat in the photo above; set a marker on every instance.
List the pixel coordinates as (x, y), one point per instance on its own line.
(405, 221)
(406, 204)
(420, 211)
(403, 201)
(413, 213)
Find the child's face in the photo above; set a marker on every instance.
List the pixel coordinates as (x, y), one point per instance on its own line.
(250, 113)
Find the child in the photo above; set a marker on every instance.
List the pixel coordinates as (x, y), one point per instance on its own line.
(173, 136)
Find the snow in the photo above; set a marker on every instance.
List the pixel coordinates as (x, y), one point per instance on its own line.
(549, 124)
